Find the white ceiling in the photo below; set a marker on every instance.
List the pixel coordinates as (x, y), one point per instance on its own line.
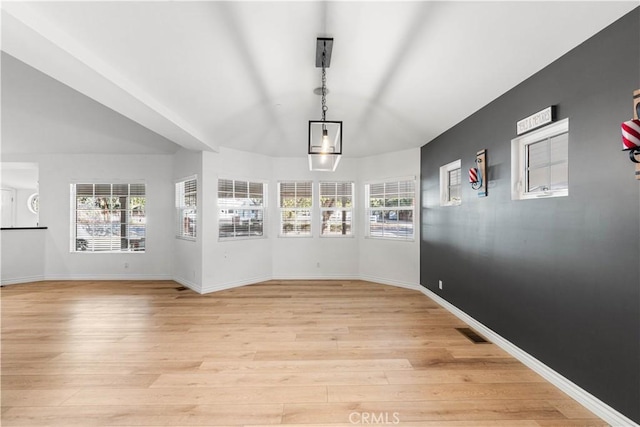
(214, 74)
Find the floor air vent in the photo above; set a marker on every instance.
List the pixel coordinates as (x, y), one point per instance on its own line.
(181, 288)
(472, 335)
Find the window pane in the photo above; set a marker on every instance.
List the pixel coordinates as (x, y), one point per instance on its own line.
(120, 189)
(391, 188)
(338, 195)
(376, 202)
(391, 202)
(548, 164)
(108, 217)
(376, 189)
(226, 186)
(538, 154)
(241, 190)
(241, 208)
(389, 220)
(187, 205)
(376, 219)
(454, 185)
(336, 223)
(406, 187)
(102, 189)
(454, 177)
(454, 193)
(560, 148)
(559, 176)
(406, 199)
(538, 180)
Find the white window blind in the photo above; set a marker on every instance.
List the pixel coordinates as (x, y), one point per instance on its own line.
(451, 184)
(540, 162)
(547, 164)
(241, 208)
(108, 217)
(187, 208)
(295, 203)
(336, 204)
(390, 208)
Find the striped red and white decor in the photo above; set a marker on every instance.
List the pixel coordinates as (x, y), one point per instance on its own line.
(473, 175)
(631, 134)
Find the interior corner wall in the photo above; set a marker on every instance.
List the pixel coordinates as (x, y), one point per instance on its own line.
(187, 257)
(58, 171)
(389, 261)
(238, 262)
(313, 257)
(558, 277)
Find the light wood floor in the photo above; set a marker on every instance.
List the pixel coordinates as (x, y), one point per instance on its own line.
(303, 353)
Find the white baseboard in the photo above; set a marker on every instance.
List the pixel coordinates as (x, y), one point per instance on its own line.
(592, 403)
(390, 282)
(19, 280)
(108, 277)
(230, 285)
(186, 283)
(317, 277)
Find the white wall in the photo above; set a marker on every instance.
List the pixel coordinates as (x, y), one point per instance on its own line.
(232, 263)
(298, 257)
(388, 261)
(24, 216)
(21, 178)
(209, 264)
(187, 254)
(16, 266)
(57, 172)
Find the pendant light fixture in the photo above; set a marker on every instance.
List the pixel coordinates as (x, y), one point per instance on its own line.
(325, 137)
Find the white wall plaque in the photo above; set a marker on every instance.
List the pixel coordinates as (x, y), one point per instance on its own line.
(536, 120)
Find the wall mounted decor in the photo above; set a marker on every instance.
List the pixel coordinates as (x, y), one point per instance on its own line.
(478, 174)
(631, 134)
(534, 121)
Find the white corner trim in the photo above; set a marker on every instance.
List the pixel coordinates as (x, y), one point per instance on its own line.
(230, 285)
(589, 401)
(186, 283)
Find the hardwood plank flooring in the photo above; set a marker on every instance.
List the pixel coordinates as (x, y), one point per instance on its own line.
(294, 353)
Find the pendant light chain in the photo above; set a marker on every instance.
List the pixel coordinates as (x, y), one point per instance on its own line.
(324, 85)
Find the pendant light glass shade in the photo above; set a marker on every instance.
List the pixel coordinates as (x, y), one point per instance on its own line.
(325, 145)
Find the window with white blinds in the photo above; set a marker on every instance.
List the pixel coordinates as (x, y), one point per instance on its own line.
(108, 217)
(390, 209)
(187, 208)
(540, 163)
(336, 205)
(451, 184)
(241, 208)
(295, 203)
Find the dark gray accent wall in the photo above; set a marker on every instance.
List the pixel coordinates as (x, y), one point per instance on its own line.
(558, 277)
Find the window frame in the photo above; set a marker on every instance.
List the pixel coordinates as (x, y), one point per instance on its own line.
(350, 209)
(183, 206)
(368, 209)
(296, 209)
(73, 199)
(445, 185)
(262, 208)
(519, 163)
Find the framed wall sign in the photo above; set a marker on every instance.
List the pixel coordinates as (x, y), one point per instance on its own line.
(536, 120)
